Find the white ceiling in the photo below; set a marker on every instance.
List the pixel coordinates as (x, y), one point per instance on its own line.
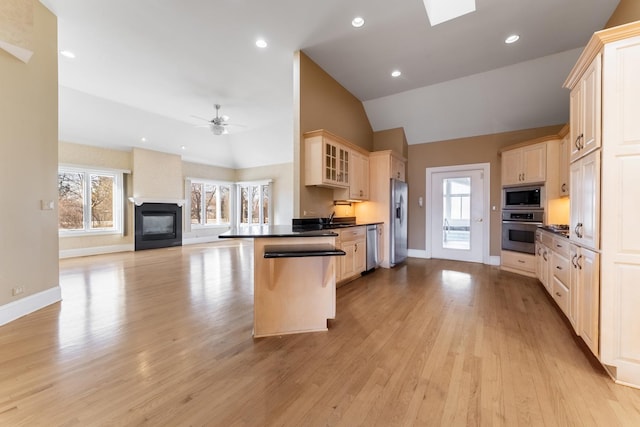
(145, 67)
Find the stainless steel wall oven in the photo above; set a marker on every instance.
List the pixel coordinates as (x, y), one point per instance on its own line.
(519, 230)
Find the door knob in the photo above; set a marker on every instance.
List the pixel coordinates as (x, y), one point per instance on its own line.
(479, 220)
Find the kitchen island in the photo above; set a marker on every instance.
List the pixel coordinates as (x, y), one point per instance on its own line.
(294, 278)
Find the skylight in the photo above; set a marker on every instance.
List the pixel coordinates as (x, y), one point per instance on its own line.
(440, 11)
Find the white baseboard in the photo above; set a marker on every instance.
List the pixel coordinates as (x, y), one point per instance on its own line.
(96, 250)
(22, 307)
(494, 260)
(417, 253)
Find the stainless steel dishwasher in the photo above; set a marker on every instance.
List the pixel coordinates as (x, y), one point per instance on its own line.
(372, 247)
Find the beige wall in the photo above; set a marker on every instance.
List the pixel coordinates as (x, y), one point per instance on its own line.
(282, 188)
(391, 139)
(479, 149)
(29, 163)
(627, 11)
(323, 104)
(157, 175)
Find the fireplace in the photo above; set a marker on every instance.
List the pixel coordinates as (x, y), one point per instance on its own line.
(158, 225)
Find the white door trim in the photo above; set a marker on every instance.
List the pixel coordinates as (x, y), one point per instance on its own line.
(486, 168)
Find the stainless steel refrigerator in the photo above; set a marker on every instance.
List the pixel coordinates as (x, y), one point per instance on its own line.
(398, 223)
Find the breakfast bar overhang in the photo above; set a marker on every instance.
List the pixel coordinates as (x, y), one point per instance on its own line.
(294, 278)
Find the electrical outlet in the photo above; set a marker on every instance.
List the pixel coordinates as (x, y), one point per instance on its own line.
(17, 290)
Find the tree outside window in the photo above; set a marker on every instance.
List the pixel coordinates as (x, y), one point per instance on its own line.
(92, 207)
(209, 203)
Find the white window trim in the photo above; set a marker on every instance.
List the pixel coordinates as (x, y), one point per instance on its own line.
(118, 196)
(241, 184)
(220, 225)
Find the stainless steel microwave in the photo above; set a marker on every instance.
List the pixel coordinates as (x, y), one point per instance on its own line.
(529, 197)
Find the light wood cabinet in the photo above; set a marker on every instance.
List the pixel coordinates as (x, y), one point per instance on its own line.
(585, 109)
(326, 160)
(608, 72)
(543, 259)
(398, 169)
(524, 165)
(352, 240)
(585, 279)
(383, 165)
(584, 205)
(565, 152)
(518, 262)
(358, 179)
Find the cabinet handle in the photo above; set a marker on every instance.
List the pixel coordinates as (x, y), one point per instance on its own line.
(544, 255)
(573, 261)
(558, 294)
(578, 262)
(564, 188)
(577, 144)
(356, 248)
(578, 230)
(558, 267)
(521, 261)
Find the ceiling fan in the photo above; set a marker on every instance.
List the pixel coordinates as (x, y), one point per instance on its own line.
(218, 124)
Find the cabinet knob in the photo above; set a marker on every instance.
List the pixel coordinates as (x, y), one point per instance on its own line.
(558, 294)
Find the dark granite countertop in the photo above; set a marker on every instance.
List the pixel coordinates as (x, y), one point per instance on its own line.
(556, 231)
(262, 231)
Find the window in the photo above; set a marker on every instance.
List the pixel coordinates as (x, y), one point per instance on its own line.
(89, 201)
(255, 203)
(210, 203)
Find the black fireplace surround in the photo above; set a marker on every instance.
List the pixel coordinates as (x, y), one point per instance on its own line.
(158, 225)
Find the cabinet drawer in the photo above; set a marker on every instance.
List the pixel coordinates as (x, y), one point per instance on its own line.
(560, 294)
(561, 245)
(352, 233)
(519, 261)
(560, 267)
(547, 239)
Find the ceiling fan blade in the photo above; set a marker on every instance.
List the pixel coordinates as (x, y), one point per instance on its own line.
(200, 118)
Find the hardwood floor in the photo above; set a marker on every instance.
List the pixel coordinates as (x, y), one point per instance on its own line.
(163, 337)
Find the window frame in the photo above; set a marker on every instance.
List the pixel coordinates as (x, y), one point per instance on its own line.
(203, 213)
(118, 200)
(262, 183)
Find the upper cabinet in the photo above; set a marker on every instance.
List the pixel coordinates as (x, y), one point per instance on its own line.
(398, 169)
(524, 165)
(359, 186)
(565, 152)
(326, 160)
(585, 110)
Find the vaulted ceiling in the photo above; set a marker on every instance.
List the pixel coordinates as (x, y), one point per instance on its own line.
(145, 68)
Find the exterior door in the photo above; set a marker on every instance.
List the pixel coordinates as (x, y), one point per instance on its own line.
(458, 215)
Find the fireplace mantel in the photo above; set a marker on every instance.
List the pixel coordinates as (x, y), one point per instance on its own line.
(138, 201)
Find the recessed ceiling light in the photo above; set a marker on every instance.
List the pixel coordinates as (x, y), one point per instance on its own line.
(512, 39)
(357, 22)
(261, 43)
(396, 73)
(67, 54)
(143, 139)
(183, 147)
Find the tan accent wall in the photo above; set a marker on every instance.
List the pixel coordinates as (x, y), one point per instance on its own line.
(323, 104)
(282, 188)
(478, 149)
(199, 170)
(391, 139)
(29, 164)
(17, 27)
(157, 175)
(627, 11)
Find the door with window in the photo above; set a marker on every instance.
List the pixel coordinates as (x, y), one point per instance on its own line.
(457, 210)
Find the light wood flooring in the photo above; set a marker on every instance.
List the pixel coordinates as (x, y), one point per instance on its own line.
(163, 338)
